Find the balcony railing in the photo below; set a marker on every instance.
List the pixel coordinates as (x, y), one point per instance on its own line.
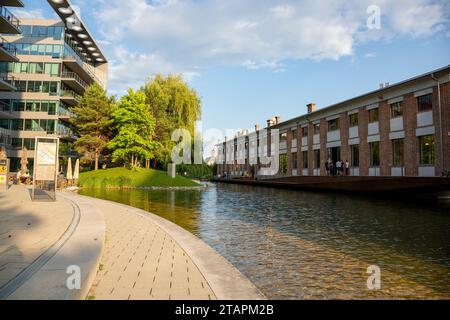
(65, 132)
(64, 112)
(5, 137)
(70, 94)
(5, 13)
(7, 46)
(73, 75)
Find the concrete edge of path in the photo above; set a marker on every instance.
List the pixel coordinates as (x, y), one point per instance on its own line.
(83, 248)
(227, 282)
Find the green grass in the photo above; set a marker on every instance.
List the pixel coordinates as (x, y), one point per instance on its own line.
(124, 178)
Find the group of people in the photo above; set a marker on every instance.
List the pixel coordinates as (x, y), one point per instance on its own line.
(338, 168)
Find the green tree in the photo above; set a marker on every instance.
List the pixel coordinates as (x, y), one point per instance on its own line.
(134, 127)
(174, 106)
(91, 121)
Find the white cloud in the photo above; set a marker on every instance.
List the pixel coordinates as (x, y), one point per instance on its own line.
(184, 36)
(29, 14)
(370, 55)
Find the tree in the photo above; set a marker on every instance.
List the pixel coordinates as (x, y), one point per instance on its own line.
(174, 106)
(134, 127)
(91, 121)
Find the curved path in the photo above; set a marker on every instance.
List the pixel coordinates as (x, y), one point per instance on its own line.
(80, 247)
(147, 257)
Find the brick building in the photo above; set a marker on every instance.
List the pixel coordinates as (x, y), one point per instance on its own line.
(398, 130)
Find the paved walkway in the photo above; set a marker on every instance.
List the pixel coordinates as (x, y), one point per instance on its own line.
(28, 229)
(141, 261)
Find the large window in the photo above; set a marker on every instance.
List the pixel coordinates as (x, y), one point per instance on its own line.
(353, 119)
(374, 149)
(55, 32)
(396, 110)
(294, 134)
(294, 160)
(398, 153)
(354, 150)
(317, 159)
(425, 103)
(305, 159)
(373, 115)
(304, 132)
(333, 125)
(283, 164)
(283, 137)
(316, 128)
(426, 149)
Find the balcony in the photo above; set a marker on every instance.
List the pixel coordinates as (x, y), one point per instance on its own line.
(9, 23)
(74, 81)
(8, 51)
(7, 82)
(64, 114)
(82, 69)
(70, 97)
(65, 132)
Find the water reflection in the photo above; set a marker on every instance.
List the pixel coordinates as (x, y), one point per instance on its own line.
(295, 244)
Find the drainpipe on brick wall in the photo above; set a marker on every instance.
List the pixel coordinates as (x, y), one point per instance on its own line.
(440, 123)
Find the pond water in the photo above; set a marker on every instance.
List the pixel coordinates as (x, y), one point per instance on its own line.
(304, 245)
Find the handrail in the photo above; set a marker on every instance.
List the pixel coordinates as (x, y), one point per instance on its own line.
(5, 13)
(73, 75)
(8, 46)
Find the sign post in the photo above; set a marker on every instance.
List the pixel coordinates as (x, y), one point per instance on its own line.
(4, 174)
(45, 173)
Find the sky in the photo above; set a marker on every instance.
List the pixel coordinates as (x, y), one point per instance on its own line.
(251, 60)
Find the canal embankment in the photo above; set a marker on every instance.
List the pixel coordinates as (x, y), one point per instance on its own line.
(105, 250)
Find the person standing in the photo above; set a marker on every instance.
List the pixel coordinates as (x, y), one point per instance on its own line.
(327, 167)
(347, 168)
(338, 167)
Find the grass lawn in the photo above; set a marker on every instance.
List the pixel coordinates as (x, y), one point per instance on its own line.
(123, 178)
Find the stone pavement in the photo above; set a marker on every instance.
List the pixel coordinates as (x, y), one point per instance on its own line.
(141, 261)
(28, 229)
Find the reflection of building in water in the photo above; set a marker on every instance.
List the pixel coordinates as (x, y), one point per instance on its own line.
(49, 66)
(398, 130)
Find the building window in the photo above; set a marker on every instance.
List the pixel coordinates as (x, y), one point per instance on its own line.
(317, 159)
(283, 137)
(283, 164)
(426, 147)
(333, 125)
(294, 134)
(305, 159)
(425, 103)
(304, 132)
(353, 119)
(396, 110)
(16, 143)
(294, 160)
(374, 149)
(398, 153)
(316, 128)
(354, 150)
(29, 143)
(373, 115)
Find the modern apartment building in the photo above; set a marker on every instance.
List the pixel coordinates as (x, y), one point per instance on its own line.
(397, 130)
(8, 24)
(55, 62)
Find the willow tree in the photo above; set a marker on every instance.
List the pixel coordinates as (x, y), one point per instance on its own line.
(91, 121)
(134, 127)
(174, 105)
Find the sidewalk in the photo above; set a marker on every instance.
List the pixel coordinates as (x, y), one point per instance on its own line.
(28, 229)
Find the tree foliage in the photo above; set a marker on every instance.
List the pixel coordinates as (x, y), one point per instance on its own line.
(174, 105)
(134, 128)
(92, 122)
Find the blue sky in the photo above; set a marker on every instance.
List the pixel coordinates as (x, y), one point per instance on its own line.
(251, 60)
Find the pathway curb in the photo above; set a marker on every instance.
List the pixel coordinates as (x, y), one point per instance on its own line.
(227, 282)
(83, 248)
